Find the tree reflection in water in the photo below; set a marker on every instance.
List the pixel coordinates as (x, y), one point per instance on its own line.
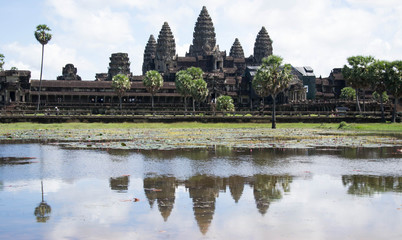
(43, 210)
(204, 190)
(362, 185)
(269, 188)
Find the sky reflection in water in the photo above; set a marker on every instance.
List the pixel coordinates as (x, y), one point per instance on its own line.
(220, 194)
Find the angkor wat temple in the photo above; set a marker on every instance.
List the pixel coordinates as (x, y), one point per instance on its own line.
(226, 74)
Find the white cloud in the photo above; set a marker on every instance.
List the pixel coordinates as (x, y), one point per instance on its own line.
(55, 58)
(318, 33)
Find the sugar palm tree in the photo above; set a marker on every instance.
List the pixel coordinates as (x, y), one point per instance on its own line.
(121, 83)
(43, 210)
(43, 36)
(271, 79)
(199, 91)
(153, 81)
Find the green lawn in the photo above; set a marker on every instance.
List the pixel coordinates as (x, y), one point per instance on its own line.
(394, 127)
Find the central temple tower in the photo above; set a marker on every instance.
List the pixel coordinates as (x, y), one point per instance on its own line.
(204, 38)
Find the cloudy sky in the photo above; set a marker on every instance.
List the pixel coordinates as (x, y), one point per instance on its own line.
(316, 33)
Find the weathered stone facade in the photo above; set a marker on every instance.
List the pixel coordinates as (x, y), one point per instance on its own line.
(204, 37)
(119, 64)
(14, 86)
(165, 49)
(69, 73)
(236, 51)
(149, 55)
(262, 46)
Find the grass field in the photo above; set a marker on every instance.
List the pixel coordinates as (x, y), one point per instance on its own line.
(387, 127)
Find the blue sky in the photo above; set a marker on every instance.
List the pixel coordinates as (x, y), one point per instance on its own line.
(316, 33)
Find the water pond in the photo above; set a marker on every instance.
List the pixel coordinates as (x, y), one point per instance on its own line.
(51, 192)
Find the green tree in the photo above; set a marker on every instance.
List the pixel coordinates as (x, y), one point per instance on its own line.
(379, 72)
(376, 97)
(271, 79)
(121, 83)
(153, 81)
(357, 75)
(43, 36)
(1, 61)
(199, 91)
(394, 84)
(13, 68)
(225, 103)
(348, 93)
(185, 81)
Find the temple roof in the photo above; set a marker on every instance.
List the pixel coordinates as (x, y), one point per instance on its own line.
(262, 46)
(150, 48)
(236, 50)
(166, 46)
(204, 35)
(305, 71)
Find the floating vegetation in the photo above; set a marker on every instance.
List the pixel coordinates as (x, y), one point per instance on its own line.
(197, 138)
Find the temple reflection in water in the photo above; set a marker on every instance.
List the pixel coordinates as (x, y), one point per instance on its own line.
(204, 190)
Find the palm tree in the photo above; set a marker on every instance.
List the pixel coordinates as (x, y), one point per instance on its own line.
(43, 210)
(43, 36)
(271, 79)
(153, 81)
(185, 83)
(121, 83)
(199, 91)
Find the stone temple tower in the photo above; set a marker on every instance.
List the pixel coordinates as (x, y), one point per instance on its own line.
(165, 49)
(149, 55)
(262, 46)
(119, 63)
(204, 38)
(236, 51)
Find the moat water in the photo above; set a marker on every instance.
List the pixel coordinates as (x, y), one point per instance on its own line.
(47, 192)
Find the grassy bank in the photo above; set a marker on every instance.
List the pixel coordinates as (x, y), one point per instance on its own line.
(394, 127)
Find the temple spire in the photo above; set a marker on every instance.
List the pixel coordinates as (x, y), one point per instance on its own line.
(165, 48)
(149, 55)
(204, 40)
(236, 50)
(262, 46)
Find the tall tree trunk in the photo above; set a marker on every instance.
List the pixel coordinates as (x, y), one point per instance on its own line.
(40, 78)
(364, 100)
(152, 106)
(394, 110)
(193, 105)
(274, 112)
(41, 184)
(382, 109)
(185, 104)
(357, 100)
(120, 103)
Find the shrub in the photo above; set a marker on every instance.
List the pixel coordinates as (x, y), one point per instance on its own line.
(225, 103)
(342, 124)
(348, 93)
